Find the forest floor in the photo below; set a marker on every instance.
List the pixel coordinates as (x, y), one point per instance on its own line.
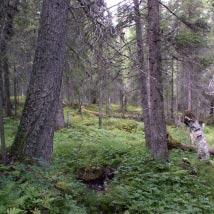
(107, 170)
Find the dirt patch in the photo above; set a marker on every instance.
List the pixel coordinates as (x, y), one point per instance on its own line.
(96, 178)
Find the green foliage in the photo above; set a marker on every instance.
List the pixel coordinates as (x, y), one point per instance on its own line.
(206, 62)
(209, 130)
(124, 125)
(187, 39)
(140, 185)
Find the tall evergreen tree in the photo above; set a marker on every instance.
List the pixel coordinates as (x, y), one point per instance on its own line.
(34, 138)
(158, 138)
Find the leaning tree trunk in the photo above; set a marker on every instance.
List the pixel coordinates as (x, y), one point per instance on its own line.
(142, 72)
(34, 139)
(158, 138)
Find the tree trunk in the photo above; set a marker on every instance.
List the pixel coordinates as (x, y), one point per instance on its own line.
(101, 104)
(60, 120)
(10, 10)
(172, 92)
(34, 139)
(189, 90)
(2, 138)
(8, 104)
(212, 107)
(100, 70)
(108, 107)
(158, 138)
(142, 72)
(15, 92)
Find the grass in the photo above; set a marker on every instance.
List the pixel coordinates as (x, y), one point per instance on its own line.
(140, 184)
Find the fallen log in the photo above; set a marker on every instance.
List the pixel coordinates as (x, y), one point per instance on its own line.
(174, 144)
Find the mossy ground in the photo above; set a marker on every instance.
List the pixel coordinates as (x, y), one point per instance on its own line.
(140, 184)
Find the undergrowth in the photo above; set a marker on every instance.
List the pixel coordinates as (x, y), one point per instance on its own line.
(140, 185)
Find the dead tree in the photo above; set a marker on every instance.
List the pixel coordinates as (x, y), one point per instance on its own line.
(197, 135)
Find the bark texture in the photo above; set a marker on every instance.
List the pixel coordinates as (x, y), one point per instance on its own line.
(34, 138)
(2, 138)
(142, 71)
(15, 84)
(60, 120)
(158, 138)
(9, 9)
(8, 105)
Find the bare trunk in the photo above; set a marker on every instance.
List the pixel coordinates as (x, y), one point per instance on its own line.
(80, 105)
(142, 72)
(108, 105)
(34, 139)
(60, 120)
(9, 12)
(8, 105)
(177, 119)
(100, 97)
(212, 108)
(15, 92)
(172, 92)
(101, 82)
(2, 138)
(158, 138)
(189, 91)
(100, 106)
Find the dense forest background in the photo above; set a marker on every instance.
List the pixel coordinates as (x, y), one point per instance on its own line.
(186, 49)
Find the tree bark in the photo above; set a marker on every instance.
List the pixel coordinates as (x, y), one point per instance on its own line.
(8, 105)
(10, 10)
(2, 137)
(15, 91)
(101, 104)
(212, 107)
(189, 90)
(172, 92)
(158, 138)
(34, 139)
(142, 72)
(60, 120)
